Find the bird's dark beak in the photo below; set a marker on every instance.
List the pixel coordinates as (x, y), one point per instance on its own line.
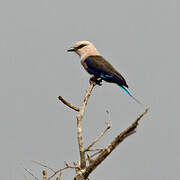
(72, 49)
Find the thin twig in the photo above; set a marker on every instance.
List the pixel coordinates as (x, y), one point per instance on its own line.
(68, 104)
(27, 170)
(79, 125)
(99, 137)
(89, 159)
(56, 172)
(68, 166)
(60, 170)
(127, 132)
(92, 150)
(43, 165)
(60, 175)
(96, 153)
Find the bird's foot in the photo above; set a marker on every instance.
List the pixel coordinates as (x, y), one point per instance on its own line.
(98, 81)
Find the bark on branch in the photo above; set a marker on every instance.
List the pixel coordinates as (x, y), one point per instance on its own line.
(79, 117)
(68, 104)
(79, 125)
(127, 132)
(98, 138)
(83, 171)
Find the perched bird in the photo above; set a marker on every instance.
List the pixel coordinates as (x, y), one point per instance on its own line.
(97, 66)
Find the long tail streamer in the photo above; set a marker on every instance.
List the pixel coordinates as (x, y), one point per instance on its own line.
(125, 90)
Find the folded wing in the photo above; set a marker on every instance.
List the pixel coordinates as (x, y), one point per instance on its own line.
(99, 67)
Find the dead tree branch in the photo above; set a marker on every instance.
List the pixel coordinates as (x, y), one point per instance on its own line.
(127, 132)
(79, 125)
(43, 165)
(98, 138)
(83, 171)
(28, 171)
(94, 150)
(68, 104)
(79, 120)
(55, 172)
(61, 170)
(44, 175)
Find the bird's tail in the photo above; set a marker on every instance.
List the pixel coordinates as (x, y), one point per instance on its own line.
(125, 90)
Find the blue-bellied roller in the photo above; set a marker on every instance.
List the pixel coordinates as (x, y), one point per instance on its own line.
(97, 66)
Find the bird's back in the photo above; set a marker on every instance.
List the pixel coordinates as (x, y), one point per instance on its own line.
(103, 66)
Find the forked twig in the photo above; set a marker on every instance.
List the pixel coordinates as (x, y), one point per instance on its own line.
(106, 151)
(95, 154)
(60, 170)
(83, 171)
(99, 137)
(43, 165)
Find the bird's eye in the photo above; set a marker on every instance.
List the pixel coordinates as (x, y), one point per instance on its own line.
(81, 46)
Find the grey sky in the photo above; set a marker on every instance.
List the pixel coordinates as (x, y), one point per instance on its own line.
(140, 38)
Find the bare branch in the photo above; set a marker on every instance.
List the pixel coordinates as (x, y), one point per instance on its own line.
(79, 125)
(43, 165)
(82, 172)
(77, 166)
(98, 138)
(60, 175)
(44, 175)
(54, 174)
(94, 150)
(127, 132)
(60, 171)
(28, 171)
(68, 104)
(89, 159)
(68, 166)
(108, 116)
(96, 153)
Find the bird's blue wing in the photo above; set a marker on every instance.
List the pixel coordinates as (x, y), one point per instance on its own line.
(99, 67)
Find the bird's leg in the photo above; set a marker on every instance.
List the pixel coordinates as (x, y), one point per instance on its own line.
(97, 80)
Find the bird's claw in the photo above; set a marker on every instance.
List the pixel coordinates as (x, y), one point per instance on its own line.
(98, 81)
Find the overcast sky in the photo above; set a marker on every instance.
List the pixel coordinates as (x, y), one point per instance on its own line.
(140, 38)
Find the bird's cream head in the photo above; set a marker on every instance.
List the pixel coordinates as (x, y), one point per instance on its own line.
(84, 49)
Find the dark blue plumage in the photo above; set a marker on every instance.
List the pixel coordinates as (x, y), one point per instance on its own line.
(100, 68)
